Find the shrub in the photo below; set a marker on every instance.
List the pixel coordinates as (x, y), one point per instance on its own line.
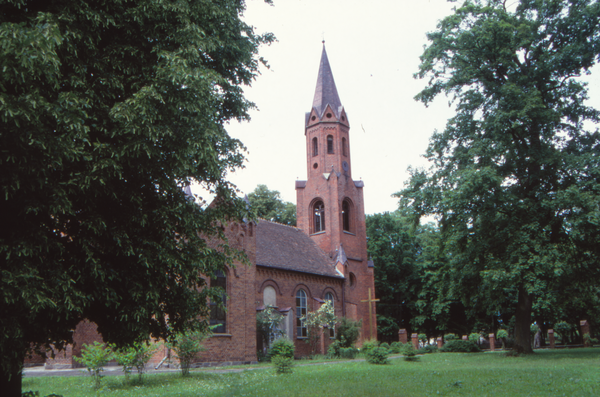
(368, 345)
(449, 337)
(588, 340)
(187, 346)
(136, 356)
(396, 347)
(422, 338)
(348, 352)
(428, 349)
(410, 354)
(282, 364)
(474, 337)
(37, 394)
(377, 355)
(282, 347)
(94, 358)
(460, 346)
(347, 332)
(385, 345)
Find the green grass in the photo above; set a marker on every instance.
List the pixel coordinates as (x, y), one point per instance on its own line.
(547, 373)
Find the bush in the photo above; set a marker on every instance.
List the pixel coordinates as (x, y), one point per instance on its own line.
(282, 364)
(428, 349)
(410, 354)
(449, 337)
(282, 347)
(333, 350)
(348, 352)
(186, 347)
(396, 347)
(460, 346)
(94, 358)
(474, 337)
(422, 338)
(37, 394)
(136, 356)
(588, 340)
(377, 355)
(369, 345)
(347, 332)
(385, 345)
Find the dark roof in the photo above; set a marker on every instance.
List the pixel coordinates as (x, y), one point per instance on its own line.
(326, 92)
(289, 248)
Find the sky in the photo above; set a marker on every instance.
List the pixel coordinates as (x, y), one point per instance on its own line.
(373, 49)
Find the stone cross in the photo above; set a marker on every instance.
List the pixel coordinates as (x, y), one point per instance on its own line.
(371, 301)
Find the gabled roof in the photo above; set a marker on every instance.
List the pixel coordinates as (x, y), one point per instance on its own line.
(326, 92)
(289, 248)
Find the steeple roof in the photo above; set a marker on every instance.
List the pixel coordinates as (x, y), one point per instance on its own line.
(326, 92)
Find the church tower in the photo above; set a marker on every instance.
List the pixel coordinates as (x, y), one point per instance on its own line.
(330, 205)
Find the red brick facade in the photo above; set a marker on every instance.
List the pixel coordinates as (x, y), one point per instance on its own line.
(329, 262)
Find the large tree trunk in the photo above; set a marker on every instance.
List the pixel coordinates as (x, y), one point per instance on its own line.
(523, 322)
(10, 378)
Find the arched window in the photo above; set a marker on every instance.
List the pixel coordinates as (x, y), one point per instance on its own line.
(329, 144)
(344, 147)
(315, 147)
(218, 313)
(346, 215)
(318, 217)
(329, 298)
(301, 331)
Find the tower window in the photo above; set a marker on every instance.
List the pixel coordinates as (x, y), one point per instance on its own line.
(318, 217)
(329, 144)
(301, 331)
(347, 215)
(315, 147)
(218, 314)
(344, 147)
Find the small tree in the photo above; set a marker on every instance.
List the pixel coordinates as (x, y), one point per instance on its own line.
(268, 322)
(94, 357)
(317, 321)
(502, 334)
(186, 346)
(474, 337)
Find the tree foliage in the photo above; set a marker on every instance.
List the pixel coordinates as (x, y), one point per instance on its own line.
(514, 177)
(107, 111)
(267, 204)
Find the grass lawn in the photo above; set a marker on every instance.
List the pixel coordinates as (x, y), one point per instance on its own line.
(547, 373)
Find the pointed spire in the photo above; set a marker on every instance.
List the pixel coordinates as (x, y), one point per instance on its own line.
(326, 92)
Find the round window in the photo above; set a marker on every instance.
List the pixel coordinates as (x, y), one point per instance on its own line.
(315, 166)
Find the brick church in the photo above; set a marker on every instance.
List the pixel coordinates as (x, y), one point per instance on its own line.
(295, 269)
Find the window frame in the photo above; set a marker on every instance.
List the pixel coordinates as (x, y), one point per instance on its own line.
(301, 311)
(218, 311)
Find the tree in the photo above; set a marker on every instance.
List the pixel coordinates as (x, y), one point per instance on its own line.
(267, 204)
(397, 283)
(317, 322)
(514, 177)
(108, 110)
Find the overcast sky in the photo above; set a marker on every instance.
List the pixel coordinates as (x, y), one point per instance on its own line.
(373, 49)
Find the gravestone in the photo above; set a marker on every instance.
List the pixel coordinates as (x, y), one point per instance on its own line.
(415, 341)
(492, 342)
(585, 329)
(551, 338)
(440, 342)
(402, 336)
